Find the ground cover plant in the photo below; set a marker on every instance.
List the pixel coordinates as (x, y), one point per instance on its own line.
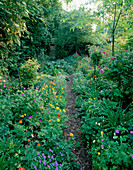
(106, 111)
(32, 118)
(31, 125)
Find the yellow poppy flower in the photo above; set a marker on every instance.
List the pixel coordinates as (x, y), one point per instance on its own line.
(64, 110)
(99, 153)
(58, 120)
(57, 108)
(50, 104)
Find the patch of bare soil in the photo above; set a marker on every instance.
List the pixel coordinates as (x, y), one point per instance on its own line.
(82, 157)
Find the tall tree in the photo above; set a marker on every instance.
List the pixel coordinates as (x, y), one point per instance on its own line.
(112, 14)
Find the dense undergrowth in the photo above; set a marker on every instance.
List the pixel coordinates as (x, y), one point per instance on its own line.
(105, 104)
(33, 107)
(32, 117)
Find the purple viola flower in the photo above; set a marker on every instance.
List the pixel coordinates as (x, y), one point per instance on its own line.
(102, 140)
(40, 161)
(26, 92)
(117, 131)
(48, 156)
(131, 132)
(50, 150)
(53, 164)
(42, 154)
(52, 157)
(56, 168)
(56, 163)
(44, 157)
(60, 164)
(35, 167)
(40, 119)
(48, 166)
(48, 111)
(132, 156)
(34, 100)
(44, 163)
(36, 113)
(61, 154)
(102, 146)
(9, 101)
(22, 94)
(57, 144)
(37, 160)
(38, 153)
(94, 105)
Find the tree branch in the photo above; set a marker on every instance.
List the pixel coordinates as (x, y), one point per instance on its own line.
(119, 16)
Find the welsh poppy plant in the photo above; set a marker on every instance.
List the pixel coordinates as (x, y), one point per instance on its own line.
(20, 122)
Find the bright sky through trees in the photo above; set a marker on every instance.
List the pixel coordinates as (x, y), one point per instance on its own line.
(75, 4)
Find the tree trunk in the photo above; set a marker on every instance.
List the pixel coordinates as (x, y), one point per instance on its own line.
(113, 42)
(113, 33)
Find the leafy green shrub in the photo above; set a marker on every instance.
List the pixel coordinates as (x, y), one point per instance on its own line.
(28, 72)
(120, 71)
(96, 54)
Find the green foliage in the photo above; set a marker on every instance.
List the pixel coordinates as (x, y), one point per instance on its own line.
(106, 119)
(96, 54)
(120, 71)
(31, 123)
(28, 72)
(70, 36)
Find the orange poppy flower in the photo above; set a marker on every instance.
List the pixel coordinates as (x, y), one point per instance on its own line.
(20, 122)
(28, 140)
(21, 169)
(49, 120)
(90, 82)
(22, 116)
(71, 134)
(50, 83)
(39, 144)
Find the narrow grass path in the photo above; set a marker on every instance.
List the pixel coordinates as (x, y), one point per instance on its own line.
(74, 126)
